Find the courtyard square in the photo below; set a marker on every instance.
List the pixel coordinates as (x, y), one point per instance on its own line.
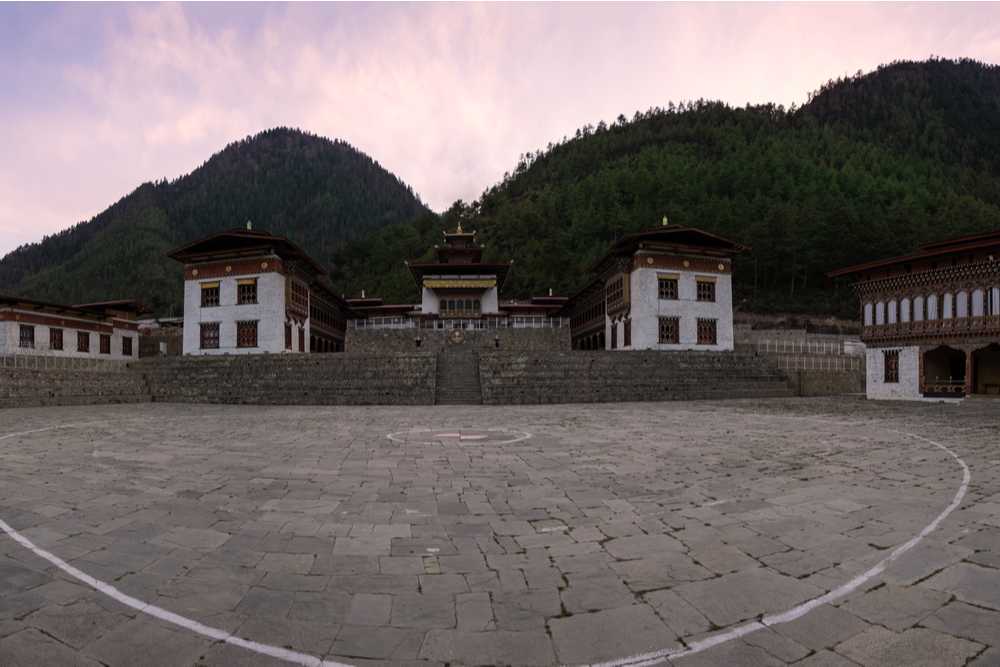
(687, 533)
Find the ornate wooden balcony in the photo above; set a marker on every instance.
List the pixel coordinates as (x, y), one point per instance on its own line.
(982, 325)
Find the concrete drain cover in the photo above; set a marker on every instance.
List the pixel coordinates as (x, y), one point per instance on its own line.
(458, 436)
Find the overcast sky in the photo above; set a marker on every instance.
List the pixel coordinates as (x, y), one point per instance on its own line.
(96, 99)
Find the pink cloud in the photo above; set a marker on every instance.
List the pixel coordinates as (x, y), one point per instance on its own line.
(445, 96)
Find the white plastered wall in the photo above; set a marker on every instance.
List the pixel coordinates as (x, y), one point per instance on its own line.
(10, 337)
(908, 387)
(269, 311)
(647, 308)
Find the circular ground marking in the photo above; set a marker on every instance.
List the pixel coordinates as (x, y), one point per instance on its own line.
(218, 505)
(458, 436)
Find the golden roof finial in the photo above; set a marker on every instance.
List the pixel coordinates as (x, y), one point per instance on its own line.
(665, 223)
(459, 230)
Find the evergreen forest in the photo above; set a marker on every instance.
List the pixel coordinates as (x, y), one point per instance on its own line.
(871, 166)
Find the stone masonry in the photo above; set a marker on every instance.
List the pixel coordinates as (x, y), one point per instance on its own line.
(612, 531)
(405, 341)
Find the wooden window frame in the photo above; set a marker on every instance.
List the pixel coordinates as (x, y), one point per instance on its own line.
(210, 290)
(127, 346)
(890, 363)
(205, 341)
(708, 331)
(104, 344)
(705, 290)
(668, 288)
(244, 295)
(664, 326)
(26, 337)
(246, 333)
(83, 341)
(55, 338)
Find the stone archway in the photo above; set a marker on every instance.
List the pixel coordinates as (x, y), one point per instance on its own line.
(986, 370)
(943, 372)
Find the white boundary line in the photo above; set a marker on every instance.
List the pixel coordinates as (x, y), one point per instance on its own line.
(659, 657)
(518, 436)
(287, 655)
(641, 660)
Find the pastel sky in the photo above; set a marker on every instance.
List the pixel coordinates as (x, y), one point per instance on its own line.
(96, 99)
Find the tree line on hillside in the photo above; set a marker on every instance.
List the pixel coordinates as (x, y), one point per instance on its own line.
(319, 192)
(873, 165)
(806, 190)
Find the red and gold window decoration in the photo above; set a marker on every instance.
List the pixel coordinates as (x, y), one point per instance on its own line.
(209, 335)
(246, 333)
(670, 330)
(706, 289)
(246, 291)
(707, 331)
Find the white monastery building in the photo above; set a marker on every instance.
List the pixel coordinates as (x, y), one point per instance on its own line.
(251, 292)
(666, 288)
(931, 320)
(106, 330)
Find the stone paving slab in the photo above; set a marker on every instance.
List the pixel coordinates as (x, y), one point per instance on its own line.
(613, 530)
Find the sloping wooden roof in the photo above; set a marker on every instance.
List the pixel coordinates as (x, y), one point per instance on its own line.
(952, 246)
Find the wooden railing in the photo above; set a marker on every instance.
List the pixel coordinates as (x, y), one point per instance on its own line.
(956, 326)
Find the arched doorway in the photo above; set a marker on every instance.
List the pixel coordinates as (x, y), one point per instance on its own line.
(986, 370)
(944, 372)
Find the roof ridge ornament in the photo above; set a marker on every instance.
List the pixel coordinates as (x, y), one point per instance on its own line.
(665, 223)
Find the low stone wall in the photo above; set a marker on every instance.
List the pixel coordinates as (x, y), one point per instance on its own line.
(585, 377)
(404, 341)
(34, 387)
(827, 382)
(293, 379)
(411, 379)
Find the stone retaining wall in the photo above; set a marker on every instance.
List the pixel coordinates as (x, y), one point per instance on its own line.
(34, 387)
(404, 341)
(312, 379)
(411, 379)
(827, 382)
(585, 377)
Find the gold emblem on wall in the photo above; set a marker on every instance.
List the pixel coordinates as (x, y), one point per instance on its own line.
(687, 264)
(194, 272)
(649, 260)
(456, 337)
(722, 267)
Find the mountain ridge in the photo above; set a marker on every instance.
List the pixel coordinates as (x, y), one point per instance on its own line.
(322, 192)
(872, 165)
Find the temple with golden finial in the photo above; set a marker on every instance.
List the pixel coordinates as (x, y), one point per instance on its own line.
(458, 284)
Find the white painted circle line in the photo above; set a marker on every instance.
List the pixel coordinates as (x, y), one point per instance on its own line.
(659, 657)
(208, 631)
(641, 660)
(437, 435)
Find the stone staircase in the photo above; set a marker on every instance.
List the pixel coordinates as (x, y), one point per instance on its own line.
(458, 377)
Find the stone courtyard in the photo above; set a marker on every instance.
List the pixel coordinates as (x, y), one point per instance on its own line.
(631, 534)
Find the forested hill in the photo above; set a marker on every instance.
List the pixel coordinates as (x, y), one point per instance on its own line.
(320, 193)
(872, 166)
